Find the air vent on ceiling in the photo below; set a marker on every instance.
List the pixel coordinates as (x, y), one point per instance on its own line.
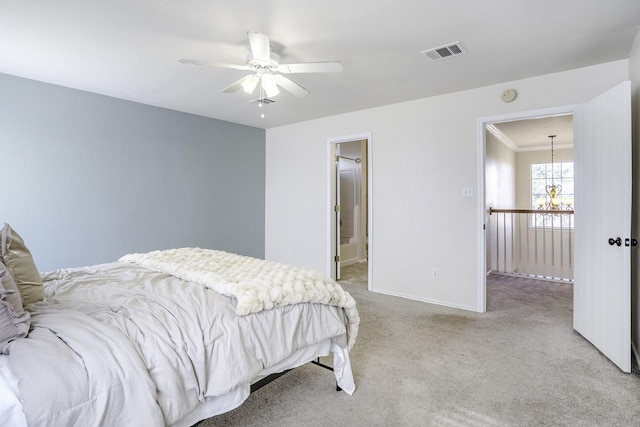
(446, 51)
(262, 101)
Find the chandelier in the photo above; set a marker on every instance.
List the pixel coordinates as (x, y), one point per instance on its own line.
(553, 201)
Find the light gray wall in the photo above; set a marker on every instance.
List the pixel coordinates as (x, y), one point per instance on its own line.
(423, 153)
(87, 178)
(500, 187)
(500, 174)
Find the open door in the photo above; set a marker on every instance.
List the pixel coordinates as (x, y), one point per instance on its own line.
(336, 209)
(343, 149)
(602, 257)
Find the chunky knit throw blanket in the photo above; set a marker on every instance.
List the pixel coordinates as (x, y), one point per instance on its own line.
(256, 284)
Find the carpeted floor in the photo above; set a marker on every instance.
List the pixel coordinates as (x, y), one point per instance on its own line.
(354, 273)
(416, 364)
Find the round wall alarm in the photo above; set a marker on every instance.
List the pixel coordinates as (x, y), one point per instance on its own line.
(509, 95)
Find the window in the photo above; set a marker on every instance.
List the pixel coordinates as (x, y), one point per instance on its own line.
(560, 174)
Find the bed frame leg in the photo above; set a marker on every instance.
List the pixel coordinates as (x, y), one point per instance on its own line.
(316, 361)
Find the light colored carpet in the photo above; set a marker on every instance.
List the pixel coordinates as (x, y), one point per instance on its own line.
(416, 364)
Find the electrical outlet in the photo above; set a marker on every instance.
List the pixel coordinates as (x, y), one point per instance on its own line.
(435, 274)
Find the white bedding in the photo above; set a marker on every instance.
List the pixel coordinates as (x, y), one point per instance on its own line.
(256, 284)
(10, 408)
(164, 350)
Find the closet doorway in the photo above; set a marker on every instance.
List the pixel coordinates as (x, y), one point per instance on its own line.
(350, 209)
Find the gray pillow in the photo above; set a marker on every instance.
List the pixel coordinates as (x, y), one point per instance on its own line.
(14, 321)
(18, 260)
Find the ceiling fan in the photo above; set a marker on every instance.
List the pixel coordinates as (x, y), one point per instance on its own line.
(267, 71)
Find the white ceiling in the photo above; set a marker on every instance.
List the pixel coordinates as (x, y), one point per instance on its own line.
(129, 49)
(534, 134)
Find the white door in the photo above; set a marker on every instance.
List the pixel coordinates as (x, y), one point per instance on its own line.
(602, 278)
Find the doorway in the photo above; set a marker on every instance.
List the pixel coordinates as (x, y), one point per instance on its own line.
(529, 233)
(601, 299)
(485, 196)
(350, 239)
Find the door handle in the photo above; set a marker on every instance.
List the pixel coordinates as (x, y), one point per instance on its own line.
(613, 241)
(630, 242)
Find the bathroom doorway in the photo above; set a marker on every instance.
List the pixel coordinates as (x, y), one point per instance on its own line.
(350, 210)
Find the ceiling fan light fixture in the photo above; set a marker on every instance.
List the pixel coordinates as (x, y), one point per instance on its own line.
(265, 68)
(249, 85)
(269, 85)
(271, 64)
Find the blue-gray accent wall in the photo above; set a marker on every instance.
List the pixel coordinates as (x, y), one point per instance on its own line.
(86, 178)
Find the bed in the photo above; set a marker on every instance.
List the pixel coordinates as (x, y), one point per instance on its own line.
(166, 337)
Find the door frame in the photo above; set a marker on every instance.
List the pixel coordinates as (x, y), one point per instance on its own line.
(331, 201)
(481, 292)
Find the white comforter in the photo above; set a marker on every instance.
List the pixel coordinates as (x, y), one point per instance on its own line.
(119, 344)
(256, 284)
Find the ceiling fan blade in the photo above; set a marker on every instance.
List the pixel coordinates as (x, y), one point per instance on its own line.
(214, 64)
(237, 85)
(290, 86)
(192, 61)
(259, 46)
(311, 67)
